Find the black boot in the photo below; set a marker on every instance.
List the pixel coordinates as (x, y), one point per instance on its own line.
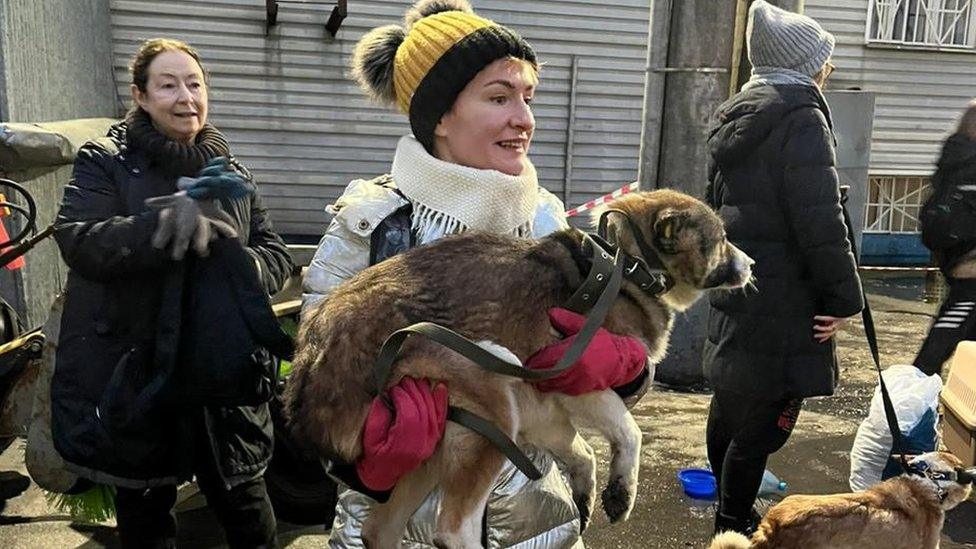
(744, 526)
(12, 484)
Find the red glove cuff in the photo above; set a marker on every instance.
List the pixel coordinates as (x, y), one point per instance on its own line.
(610, 360)
(401, 435)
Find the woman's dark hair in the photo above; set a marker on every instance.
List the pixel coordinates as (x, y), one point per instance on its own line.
(150, 49)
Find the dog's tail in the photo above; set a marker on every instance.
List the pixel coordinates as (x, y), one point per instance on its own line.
(730, 540)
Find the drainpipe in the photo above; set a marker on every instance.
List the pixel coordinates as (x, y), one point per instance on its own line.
(658, 38)
(738, 44)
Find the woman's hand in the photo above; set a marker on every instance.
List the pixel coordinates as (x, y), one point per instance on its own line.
(184, 222)
(401, 432)
(216, 180)
(609, 360)
(825, 327)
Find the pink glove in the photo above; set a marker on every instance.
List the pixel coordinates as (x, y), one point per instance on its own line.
(609, 360)
(397, 441)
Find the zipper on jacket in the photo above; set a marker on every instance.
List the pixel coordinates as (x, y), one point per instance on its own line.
(213, 449)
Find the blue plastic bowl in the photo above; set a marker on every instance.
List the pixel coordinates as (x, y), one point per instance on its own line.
(698, 483)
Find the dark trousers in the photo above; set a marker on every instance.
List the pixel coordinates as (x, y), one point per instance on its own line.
(146, 517)
(956, 322)
(741, 434)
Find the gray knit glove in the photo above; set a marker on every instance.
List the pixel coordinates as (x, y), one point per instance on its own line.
(185, 222)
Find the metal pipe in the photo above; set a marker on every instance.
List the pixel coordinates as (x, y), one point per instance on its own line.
(652, 117)
(738, 43)
(570, 132)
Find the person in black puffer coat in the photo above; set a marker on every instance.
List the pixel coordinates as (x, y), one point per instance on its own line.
(956, 320)
(773, 182)
(116, 419)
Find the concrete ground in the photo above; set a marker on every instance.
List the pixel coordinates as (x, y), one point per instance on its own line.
(815, 461)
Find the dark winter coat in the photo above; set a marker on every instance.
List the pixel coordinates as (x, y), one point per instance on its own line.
(957, 167)
(115, 416)
(773, 182)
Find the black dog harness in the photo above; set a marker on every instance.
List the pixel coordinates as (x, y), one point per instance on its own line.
(609, 265)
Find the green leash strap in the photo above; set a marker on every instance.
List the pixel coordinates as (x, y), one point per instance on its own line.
(494, 435)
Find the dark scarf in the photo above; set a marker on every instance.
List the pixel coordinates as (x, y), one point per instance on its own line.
(172, 156)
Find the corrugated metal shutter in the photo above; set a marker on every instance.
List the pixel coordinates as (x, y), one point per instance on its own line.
(920, 93)
(305, 130)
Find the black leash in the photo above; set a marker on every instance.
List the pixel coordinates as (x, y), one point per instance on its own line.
(961, 475)
(897, 441)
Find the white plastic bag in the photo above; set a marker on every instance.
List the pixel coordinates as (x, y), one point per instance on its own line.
(912, 393)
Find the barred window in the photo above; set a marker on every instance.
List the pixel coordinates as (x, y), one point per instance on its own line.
(933, 23)
(893, 203)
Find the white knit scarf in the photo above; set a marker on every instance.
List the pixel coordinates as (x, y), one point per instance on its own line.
(776, 76)
(449, 198)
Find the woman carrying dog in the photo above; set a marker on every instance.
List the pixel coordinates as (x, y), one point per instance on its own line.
(465, 83)
(773, 182)
(131, 237)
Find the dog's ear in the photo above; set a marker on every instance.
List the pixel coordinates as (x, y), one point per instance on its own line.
(667, 227)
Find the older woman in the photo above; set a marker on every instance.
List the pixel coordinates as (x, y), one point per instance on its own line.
(466, 84)
(116, 420)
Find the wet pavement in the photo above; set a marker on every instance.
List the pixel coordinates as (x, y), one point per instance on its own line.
(814, 461)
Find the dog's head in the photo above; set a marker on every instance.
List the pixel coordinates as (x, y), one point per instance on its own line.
(687, 236)
(948, 473)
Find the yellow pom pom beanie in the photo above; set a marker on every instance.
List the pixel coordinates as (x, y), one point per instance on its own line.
(422, 67)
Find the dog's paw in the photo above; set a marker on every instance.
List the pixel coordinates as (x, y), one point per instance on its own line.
(618, 499)
(584, 503)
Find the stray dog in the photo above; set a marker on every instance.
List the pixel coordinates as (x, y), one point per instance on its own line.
(905, 512)
(498, 289)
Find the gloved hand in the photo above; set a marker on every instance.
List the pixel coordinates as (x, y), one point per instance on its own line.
(402, 433)
(216, 180)
(184, 221)
(609, 360)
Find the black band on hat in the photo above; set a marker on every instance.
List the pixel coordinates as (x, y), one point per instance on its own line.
(436, 93)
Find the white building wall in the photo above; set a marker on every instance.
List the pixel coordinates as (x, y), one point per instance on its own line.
(920, 92)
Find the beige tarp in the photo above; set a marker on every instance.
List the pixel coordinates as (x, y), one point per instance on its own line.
(24, 146)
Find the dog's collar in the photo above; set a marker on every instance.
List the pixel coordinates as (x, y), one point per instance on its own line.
(937, 478)
(600, 253)
(648, 272)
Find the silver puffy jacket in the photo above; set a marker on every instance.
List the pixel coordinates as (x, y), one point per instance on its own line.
(521, 513)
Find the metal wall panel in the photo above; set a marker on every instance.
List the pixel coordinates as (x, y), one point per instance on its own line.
(920, 93)
(55, 60)
(293, 116)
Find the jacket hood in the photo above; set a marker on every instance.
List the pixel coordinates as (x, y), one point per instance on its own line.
(746, 119)
(957, 151)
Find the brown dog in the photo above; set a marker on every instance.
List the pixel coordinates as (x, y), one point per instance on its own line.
(905, 512)
(497, 290)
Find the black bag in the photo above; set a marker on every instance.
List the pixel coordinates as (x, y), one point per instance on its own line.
(948, 217)
(230, 339)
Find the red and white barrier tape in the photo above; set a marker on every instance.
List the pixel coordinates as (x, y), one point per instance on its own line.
(604, 199)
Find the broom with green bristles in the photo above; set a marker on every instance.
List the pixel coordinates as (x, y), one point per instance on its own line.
(97, 504)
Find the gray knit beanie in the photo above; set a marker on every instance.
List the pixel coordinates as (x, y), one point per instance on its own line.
(777, 38)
